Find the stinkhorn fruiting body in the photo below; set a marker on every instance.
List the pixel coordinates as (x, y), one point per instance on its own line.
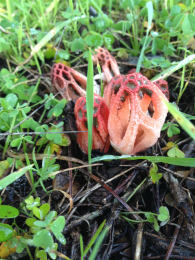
(163, 86)
(137, 113)
(131, 114)
(108, 63)
(100, 121)
(70, 83)
(160, 83)
(133, 70)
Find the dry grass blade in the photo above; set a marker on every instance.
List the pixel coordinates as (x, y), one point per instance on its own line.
(66, 195)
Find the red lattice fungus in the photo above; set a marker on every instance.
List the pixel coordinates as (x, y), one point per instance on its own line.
(107, 62)
(137, 113)
(100, 121)
(70, 83)
(163, 86)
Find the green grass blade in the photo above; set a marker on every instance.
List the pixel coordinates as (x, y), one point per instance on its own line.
(135, 190)
(47, 38)
(150, 14)
(14, 176)
(89, 103)
(187, 162)
(96, 6)
(181, 119)
(150, 17)
(9, 10)
(81, 247)
(98, 243)
(52, 33)
(93, 239)
(172, 69)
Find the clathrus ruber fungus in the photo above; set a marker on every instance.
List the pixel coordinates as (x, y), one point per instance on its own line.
(137, 113)
(100, 121)
(129, 116)
(107, 62)
(163, 86)
(70, 83)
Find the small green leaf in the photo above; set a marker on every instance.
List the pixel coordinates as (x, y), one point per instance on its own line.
(41, 254)
(8, 211)
(56, 138)
(4, 165)
(28, 139)
(108, 40)
(31, 202)
(49, 218)
(6, 232)
(154, 168)
(39, 223)
(156, 225)
(37, 213)
(45, 209)
(42, 141)
(191, 18)
(49, 53)
(155, 176)
(52, 251)
(94, 40)
(43, 239)
(173, 130)
(57, 227)
(58, 109)
(78, 45)
(64, 54)
(186, 25)
(12, 99)
(175, 152)
(163, 214)
(30, 123)
(65, 140)
(58, 224)
(149, 216)
(30, 221)
(20, 244)
(60, 237)
(16, 142)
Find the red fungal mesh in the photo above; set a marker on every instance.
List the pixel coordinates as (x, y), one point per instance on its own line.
(131, 71)
(137, 113)
(100, 121)
(69, 82)
(108, 63)
(163, 86)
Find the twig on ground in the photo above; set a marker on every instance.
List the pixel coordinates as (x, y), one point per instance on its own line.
(175, 235)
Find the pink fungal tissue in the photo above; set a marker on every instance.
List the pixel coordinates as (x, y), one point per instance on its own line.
(129, 116)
